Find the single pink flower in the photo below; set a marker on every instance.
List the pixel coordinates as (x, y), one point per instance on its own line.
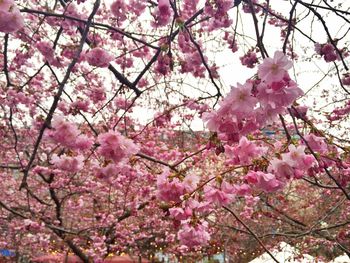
(295, 155)
(274, 69)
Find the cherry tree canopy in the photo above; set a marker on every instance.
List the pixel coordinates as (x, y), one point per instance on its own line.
(185, 127)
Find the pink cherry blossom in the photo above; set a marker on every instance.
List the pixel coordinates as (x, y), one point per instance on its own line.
(63, 132)
(98, 57)
(163, 14)
(194, 235)
(243, 190)
(6, 4)
(249, 60)
(46, 50)
(240, 98)
(191, 182)
(115, 147)
(220, 196)
(317, 144)
(169, 189)
(118, 9)
(10, 20)
(282, 169)
(179, 213)
(244, 152)
(274, 69)
(69, 164)
(295, 155)
(264, 181)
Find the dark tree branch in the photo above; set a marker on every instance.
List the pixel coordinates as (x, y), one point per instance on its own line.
(251, 232)
(5, 60)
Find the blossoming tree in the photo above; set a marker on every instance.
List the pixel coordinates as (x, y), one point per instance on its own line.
(85, 170)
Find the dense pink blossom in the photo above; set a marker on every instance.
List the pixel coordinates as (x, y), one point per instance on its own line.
(194, 235)
(191, 182)
(67, 163)
(98, 57)
(119, 10)
(295, 155)
(244, 152)
(169, 189)
(180, 213)
(240, 99)
(6, 4)
(63, 132)
(282, 169)
(264, 181)
(115, 147)
(163, 13)
(11, 19)
(242, 190)
(222, 195)
(317, 144)
(328, 51)
(231, 41)
(45, 49)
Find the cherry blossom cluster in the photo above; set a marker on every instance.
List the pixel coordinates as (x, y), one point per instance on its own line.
(328, 52)
(249, 59)
(250, 106)
(11, 19)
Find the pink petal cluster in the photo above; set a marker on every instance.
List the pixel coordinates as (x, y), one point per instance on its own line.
(244, 152)
(98, 57)
(264, 181)
(274, 69)
(191, 182)
(180, 214)
(222, 195)
(217, 11)
(46, 49)
(163, 13)
(327, 51)
(250, 106)
(115, 147)
(163, 65)
(169, 190)
(249, 60)
(191, 61)
(316, 143)
(293, 163)
(68, 135)
(67, 163)
(119, 10)
(11, 19)
(192, 235)
(236, 116)
(111, 170)
(346, 79)
(242, 190)
(230, 39)
(248, 9)
(340, 112)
